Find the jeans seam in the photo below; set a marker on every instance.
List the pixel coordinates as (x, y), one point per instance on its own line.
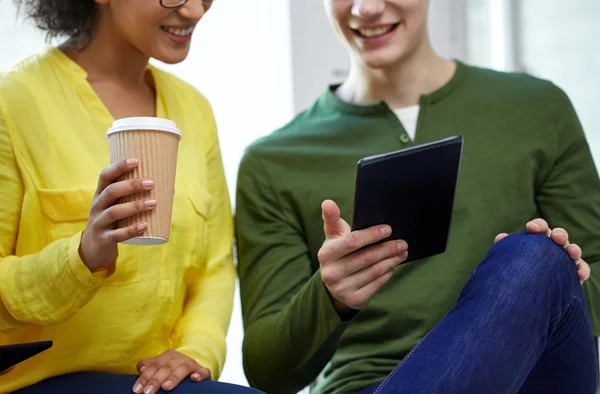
(574, 301)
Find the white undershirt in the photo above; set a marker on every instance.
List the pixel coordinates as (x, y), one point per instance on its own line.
(409, 116)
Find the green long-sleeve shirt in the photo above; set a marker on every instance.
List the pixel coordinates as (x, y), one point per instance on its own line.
(525, 156)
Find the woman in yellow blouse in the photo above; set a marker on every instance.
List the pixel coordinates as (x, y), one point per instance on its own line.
(122, 318)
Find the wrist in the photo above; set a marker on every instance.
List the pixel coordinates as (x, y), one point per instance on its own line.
(85, 258)
(86, 261)
(344, 312)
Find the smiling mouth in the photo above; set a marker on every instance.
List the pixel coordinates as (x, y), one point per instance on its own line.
(177, 31)
(373, 32)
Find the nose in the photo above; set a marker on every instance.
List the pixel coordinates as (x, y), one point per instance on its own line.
(194, 10)
(367, 8)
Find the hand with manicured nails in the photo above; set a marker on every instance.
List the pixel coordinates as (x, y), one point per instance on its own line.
(351, 269)
(166, 371)
(98, 248)
(561, 238)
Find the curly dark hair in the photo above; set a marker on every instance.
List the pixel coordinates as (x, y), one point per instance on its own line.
(70, 18)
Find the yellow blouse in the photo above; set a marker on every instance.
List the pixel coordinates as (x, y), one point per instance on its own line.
(174, 296)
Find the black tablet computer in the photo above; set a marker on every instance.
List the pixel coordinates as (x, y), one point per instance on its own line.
(412, 190)
(11, 355)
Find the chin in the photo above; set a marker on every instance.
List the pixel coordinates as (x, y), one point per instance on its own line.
(381, 60)
(172, 56)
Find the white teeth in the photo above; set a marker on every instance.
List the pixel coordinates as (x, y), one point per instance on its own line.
(374, 32)
(179, 32)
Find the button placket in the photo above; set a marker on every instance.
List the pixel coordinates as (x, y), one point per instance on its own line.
(404, 138)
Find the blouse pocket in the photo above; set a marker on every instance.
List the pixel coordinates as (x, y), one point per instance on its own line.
(66, 213)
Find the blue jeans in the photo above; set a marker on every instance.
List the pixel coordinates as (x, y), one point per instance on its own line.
(520, 326)
(103, 383)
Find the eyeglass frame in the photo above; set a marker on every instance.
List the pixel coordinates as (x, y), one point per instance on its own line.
(181, 2)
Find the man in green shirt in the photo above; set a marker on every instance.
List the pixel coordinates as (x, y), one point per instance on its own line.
(525, 156)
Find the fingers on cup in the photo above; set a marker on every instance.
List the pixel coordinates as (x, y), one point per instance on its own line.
(127, 233)
(121, 189)
(114, 171)
(122, 211)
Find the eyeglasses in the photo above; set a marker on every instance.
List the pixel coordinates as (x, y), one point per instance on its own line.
(177, 3)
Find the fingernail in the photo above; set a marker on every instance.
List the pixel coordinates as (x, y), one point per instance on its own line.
(137, 388)
(150, 203)
(148, 183)
(402, 246)
(196, 376)
(131, 162)
(564, 234)
(142, 226)
(168, 384)
(402, 257)
(534, 225)
(386, 230)
(149, 389)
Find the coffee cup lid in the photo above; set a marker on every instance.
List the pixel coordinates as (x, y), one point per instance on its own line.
(144, 123)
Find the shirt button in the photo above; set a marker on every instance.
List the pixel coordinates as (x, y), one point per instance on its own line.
(404, 139)
(92, 282)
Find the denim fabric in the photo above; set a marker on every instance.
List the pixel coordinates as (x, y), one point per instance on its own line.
(103, 383)
(520, 326)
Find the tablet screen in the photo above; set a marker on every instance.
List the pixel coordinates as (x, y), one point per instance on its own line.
(413, 191)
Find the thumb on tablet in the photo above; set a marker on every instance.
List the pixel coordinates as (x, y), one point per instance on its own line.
(333, 224)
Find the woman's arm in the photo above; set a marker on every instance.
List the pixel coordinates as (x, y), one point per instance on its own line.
(43, 288)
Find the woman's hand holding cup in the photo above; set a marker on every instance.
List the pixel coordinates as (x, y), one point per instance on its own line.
(98, 248)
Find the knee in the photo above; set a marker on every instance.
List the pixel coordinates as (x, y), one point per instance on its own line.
(534, 258)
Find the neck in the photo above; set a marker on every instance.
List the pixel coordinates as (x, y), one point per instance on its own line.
(108, 56)
(400, 85)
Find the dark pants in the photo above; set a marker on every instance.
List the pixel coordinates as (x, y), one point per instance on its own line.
(103, 383)
(520, 326)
